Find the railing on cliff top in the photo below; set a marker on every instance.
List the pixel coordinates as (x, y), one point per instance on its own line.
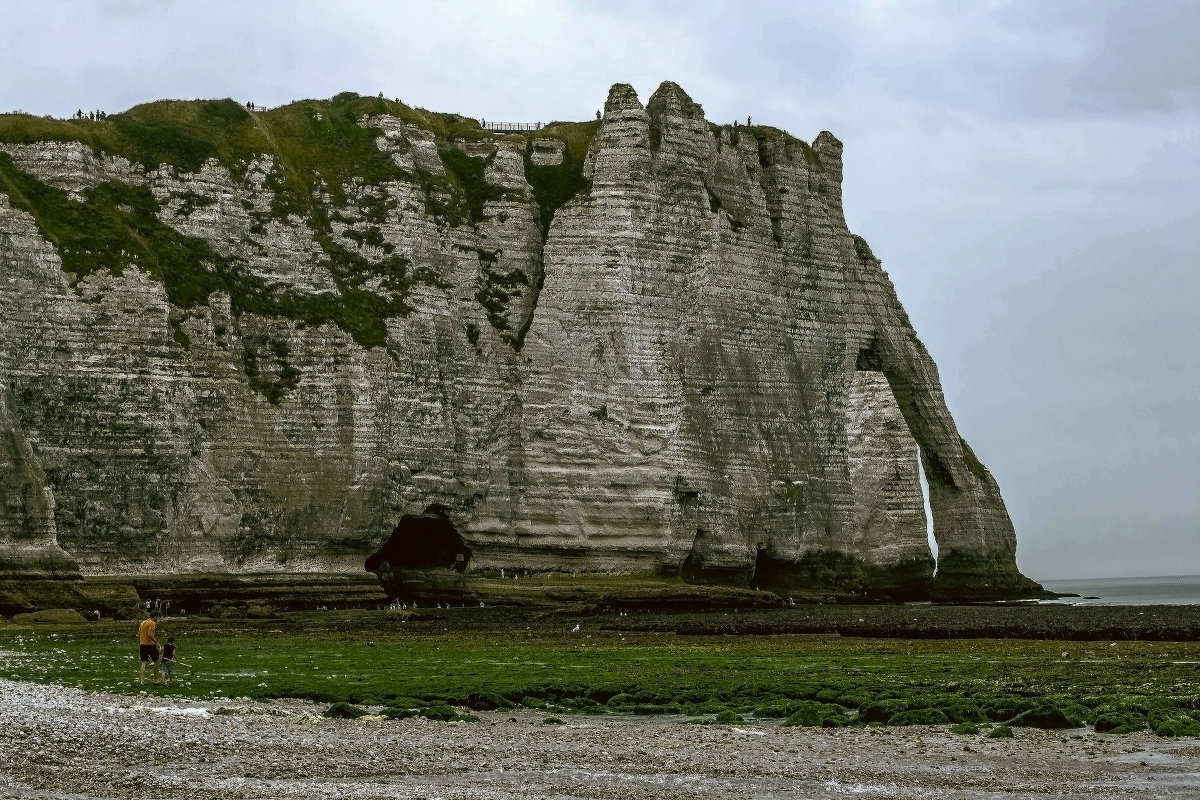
(510, 127)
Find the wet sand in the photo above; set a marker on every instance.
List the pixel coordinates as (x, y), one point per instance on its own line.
(65, 743)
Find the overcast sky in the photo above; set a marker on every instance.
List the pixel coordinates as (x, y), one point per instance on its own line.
(1028, 172)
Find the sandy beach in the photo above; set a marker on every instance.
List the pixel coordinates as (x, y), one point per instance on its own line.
(65, 743)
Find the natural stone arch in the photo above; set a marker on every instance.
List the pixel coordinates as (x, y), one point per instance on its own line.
(974, 534)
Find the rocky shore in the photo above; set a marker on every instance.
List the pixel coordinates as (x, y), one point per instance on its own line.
(61, 743)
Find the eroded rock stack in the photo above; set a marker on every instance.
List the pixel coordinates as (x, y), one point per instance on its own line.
(239, 342)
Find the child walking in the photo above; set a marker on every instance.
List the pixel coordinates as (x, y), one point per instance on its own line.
(168, 660)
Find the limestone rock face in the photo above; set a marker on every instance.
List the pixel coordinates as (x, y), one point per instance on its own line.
(28, 547)
(280, 342)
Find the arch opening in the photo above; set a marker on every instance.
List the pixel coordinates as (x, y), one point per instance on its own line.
(929, 533)
(421, 542)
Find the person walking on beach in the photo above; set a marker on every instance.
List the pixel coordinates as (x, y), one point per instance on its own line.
(148, 648)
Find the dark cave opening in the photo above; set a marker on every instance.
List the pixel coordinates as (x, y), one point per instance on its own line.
(694, 570)
(768, 571)
(421, 542)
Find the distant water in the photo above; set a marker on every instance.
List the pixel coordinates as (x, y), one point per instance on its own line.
(1179, 590)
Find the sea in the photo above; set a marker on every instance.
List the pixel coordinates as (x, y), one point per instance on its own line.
(1175, 590)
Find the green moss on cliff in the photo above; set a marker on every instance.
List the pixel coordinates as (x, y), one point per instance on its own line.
(770, 138)
(116, 225)
(192, 201)
(315, 143)
(826, 570)
(495, 293)
(265, 361)
(467, 175)
(966, 575)
(656, 133)
(973, 462)
(183, 134)
(554, 185)
(323, 160)
(317, 147)
(372, 236)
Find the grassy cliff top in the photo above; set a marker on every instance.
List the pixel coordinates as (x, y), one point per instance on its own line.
(186, 133)
(309, 139)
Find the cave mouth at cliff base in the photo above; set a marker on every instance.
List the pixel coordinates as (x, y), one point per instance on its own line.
(421, 542)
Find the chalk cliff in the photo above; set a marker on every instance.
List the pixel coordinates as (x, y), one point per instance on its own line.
(292, 341)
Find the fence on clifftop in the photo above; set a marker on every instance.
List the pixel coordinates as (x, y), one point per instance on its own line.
(510, 127)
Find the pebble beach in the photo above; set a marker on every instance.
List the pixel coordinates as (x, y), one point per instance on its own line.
(67, 744)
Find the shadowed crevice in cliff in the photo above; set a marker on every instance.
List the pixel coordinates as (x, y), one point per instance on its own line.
(694, 571)
(421, 541)
(703, 565)
(511, 267)
(769, 179)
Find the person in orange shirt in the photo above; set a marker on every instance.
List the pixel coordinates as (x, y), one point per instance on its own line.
(148, 647)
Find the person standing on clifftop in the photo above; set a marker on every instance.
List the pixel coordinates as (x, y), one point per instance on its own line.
(148, 648)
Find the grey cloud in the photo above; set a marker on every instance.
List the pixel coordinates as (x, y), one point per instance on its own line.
(1054, 60)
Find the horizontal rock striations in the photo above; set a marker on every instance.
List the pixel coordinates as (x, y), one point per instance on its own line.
(347, 331)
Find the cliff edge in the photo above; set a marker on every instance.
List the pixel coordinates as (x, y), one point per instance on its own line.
(351, 334)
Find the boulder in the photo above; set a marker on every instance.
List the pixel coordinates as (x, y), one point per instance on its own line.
(50, 616)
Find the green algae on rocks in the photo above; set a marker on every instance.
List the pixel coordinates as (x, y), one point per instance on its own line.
(429, 662)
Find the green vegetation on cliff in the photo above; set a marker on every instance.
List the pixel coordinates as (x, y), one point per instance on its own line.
(316, 146)
(323, 165)
(116, 225)
(553, 185)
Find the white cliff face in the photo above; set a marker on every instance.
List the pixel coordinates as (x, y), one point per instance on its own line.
(642, 344)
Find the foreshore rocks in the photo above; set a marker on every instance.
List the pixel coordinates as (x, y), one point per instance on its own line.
(289, 342)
